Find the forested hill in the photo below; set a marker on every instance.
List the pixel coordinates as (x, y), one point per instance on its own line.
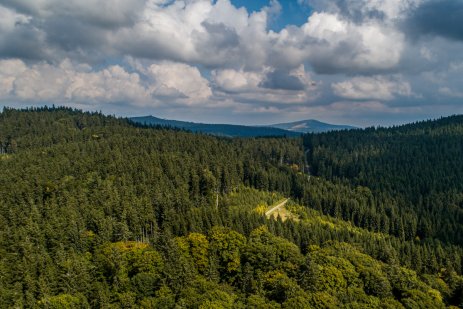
(416, 168)
(227, 130)
(98, 213)
(281, 129)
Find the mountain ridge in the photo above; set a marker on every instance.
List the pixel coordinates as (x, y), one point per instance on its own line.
(311, 126)
(232, 130)
(227, 130)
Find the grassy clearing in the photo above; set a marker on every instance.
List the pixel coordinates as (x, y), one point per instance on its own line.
(5, 156)
(284, 214)
(249, 199)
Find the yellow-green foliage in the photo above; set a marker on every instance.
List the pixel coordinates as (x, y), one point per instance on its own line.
(261, 209)
(202, 293)
(331, 278)
(438, 284)
(324, 300)
(62, 301)
(277, 276)
(228, 244)
(261, 201)
(127, 246)
(164, 298)
(279, 287)
(260, 302)
(123, 261)
(266, 251)
(150, 261)
(420, 299)
(250, 199)
(5, 156)
(196, 246)
(77, 184)
(341, 267)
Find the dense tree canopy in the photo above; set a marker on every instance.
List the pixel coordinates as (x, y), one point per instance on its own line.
(414, 171)
(97, 212)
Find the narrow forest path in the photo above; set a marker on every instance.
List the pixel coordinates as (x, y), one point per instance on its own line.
(269, 212)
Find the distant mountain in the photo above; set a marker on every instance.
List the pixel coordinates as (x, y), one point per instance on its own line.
(280, 129)
(216, 129)
(310, 126)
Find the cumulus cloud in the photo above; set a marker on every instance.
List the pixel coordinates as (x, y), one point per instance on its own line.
(178, 80)
(206, 53)
(279, 79)
(56, 30)
(343, 45)
(202, 32)
(9, 70)
(230, 80)
(372, 88)
(67, 82)
(71, 83)
(267, 86)
(214, 34)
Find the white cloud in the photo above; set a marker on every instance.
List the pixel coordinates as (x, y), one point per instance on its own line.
(344, 45)
(215, 34)
(211, 53)
(324, 26)
(236, 80)
(178, 80)
(9, 70)
(244, 86)
(377, 87)
(67, 82)
(72, 83)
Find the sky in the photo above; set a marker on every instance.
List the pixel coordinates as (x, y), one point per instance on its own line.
(358, 62)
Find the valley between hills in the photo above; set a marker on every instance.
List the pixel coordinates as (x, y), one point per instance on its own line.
(103, 212)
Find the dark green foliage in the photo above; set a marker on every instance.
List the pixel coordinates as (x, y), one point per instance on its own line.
(96, 212)
(215, 129)
(414, 171)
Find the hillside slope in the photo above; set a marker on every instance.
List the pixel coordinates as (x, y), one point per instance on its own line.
(228, 130)
(96, 212)
(416, 169)
(311, 126)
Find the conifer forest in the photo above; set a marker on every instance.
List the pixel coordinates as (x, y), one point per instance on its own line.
(100, 212)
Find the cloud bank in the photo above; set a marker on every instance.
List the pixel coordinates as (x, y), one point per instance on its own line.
(381, 58)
